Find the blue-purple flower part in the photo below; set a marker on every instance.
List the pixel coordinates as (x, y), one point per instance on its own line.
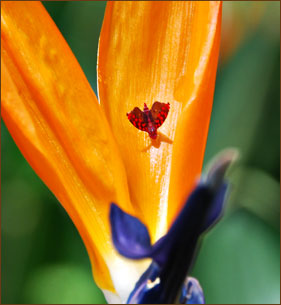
(172, 255)
(192, 292)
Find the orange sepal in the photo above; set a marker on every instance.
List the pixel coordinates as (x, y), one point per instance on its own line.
(160, 51)
(55, 119)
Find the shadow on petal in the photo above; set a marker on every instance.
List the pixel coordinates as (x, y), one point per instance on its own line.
(157, 142)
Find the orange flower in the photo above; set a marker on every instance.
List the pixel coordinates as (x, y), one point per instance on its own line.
(89, 154)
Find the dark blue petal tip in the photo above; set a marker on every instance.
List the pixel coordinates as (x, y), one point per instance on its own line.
(130, 236)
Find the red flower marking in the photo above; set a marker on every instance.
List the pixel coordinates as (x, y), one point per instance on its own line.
(149, 120)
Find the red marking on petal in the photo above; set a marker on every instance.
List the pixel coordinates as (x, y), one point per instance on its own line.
(158, 113)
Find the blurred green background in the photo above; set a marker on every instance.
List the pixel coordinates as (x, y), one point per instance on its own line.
(43, 257)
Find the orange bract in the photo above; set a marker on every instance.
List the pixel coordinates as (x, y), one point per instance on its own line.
(167, 52)
(149, 51)
(55, 119)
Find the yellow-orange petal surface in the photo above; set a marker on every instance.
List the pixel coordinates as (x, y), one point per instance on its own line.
(160, 51)
(55, 119)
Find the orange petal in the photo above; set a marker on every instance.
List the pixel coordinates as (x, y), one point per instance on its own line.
(160, 51)
(55, 119)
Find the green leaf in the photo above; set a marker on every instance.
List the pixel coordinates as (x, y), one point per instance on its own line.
(239, 262)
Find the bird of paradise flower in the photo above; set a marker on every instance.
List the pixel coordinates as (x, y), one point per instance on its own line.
(84, 149)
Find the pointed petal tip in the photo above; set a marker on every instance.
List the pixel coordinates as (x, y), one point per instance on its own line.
(219, 165)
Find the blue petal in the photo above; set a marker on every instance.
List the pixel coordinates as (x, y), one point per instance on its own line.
(187, 227)
(130, 236)
(216, 207)
(216, 182)
(192, 293)
(148, 288)
(201, 210)
(173, 254)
